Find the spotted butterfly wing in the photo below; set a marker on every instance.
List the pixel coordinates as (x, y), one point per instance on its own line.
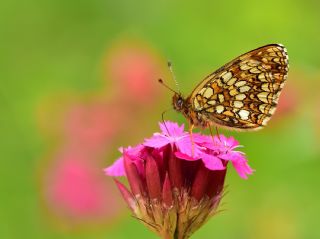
(243, 94)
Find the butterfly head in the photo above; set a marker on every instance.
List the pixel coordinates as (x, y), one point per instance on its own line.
(178, 102)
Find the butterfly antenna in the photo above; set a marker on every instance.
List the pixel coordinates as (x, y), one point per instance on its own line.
(173, 75)
(165, 85)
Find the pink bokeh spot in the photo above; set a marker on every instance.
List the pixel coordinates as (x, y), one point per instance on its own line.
(136, 70)
(289, 100)
(75, 188)
(92, 126)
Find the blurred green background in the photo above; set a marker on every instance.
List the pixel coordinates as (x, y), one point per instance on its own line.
(65, 69)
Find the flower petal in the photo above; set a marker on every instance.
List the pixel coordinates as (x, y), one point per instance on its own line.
(174, 129)
(156, 141)
(241, 165)
(230, 155)
(212, 162)
(185, 156)
(135, 151)
(221, 142)
(186, 146)
(231, 143)
(116, 169)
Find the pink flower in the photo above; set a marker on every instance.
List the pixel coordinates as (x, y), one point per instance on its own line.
(213, 152)
(91, 126)
(177, 183)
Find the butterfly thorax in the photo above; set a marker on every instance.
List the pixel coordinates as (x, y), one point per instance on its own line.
(184, 106)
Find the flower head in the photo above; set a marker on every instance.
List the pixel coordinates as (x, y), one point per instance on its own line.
(176, 179)
(172, 133)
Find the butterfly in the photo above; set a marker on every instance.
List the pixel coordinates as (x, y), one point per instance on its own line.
(241, 95)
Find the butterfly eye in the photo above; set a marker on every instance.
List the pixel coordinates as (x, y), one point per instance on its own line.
(178, 102)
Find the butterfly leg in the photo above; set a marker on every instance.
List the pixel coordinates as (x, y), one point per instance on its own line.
(191, 126)
(162, 116)
(218, 133)
(211, 133)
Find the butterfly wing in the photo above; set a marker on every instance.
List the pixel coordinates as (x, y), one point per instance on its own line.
(243, 94)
